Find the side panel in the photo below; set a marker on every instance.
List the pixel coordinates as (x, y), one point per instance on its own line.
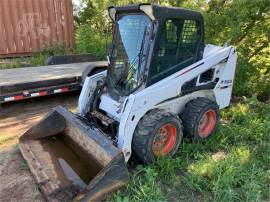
(177, 105)
(91, 69)
(112, 107)
(223, 89)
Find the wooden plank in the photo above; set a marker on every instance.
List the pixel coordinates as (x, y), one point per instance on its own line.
(44, 73)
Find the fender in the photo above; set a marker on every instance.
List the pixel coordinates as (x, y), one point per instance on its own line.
(87, 91)
(92, 69)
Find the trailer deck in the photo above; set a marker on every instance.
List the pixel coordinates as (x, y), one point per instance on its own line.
(22, 83)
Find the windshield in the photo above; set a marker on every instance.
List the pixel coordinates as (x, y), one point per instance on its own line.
(129, 52)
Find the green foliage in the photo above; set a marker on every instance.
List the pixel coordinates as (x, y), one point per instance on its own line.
(143, 186)
(11, 63)
(232, 166)
(24, 165)
(93, 26)
(90, 40)
(166, 168)
(40, 58)
(245, 25)
(243, 173)
(36, 59)
(55, 49)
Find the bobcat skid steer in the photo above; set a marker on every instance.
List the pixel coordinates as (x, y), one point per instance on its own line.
(162, 83)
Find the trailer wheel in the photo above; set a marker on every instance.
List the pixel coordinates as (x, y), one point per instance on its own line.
(200, 118)
(158, 133)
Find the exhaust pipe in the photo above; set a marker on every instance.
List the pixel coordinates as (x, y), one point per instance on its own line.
(71, 159)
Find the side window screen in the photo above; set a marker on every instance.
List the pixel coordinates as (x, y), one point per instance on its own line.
(171, 32)
(177, 48)
(189, 35)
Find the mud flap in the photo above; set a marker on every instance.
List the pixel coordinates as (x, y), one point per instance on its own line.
(71, 159)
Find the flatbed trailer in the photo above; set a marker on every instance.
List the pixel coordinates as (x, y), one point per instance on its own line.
(29, 82)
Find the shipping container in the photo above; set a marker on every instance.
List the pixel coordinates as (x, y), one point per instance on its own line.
(27, 26)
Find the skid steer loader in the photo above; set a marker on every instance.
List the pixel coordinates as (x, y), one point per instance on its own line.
(162, 83)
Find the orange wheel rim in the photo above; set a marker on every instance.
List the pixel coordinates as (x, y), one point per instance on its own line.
(207, 123)
(164, 140)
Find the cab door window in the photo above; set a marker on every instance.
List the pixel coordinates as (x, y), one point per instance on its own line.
(177, 48)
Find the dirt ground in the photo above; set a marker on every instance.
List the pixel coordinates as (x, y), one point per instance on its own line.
(16, 182)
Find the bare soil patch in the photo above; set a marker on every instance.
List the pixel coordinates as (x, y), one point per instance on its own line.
(16, 181)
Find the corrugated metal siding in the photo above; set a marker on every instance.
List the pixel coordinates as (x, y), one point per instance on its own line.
(27, 26)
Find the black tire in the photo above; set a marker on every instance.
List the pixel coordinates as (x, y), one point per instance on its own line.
(192, 116)
(146, 131)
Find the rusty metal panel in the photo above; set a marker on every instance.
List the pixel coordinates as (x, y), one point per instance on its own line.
(27, 26)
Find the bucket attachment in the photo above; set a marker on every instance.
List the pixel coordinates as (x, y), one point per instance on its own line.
(72, 160)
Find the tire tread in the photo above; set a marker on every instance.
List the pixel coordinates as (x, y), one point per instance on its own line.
(145, 128)
(191, 114)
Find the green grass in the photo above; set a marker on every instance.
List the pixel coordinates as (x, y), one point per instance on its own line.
(4, 139)
(10, 63)
(36, 59)
(233, 165)
(24, 165)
